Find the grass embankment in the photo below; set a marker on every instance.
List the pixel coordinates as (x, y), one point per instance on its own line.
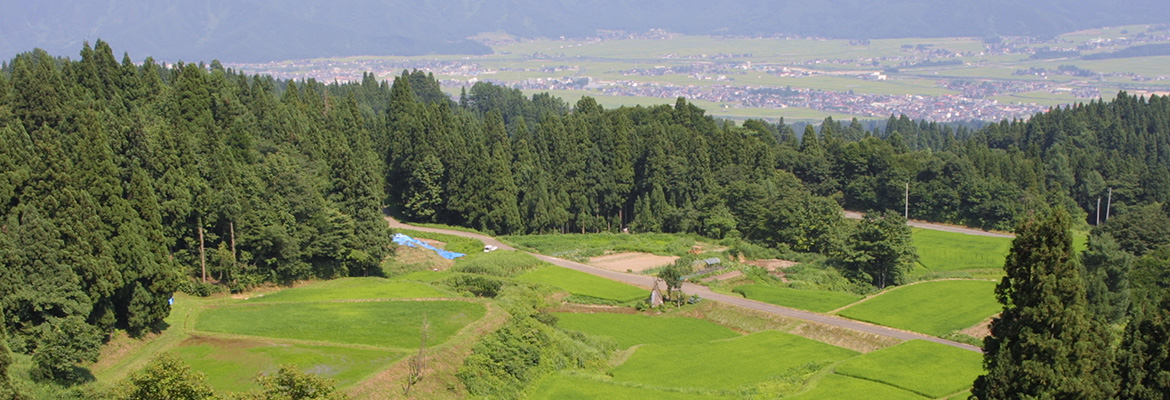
(934, 308)
(811, 300)
(634, 329)
(352, 289)
(580, 247)
(582, 284)
(930, 369)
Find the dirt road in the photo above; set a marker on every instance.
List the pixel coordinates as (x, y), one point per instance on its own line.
(939, 227)
(702, 291)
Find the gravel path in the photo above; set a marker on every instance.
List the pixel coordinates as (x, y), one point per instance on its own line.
(939, 227)
(704, 292)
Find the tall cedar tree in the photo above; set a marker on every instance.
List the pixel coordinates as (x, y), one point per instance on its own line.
(1044, 345)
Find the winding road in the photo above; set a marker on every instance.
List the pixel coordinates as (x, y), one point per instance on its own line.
(647, 281)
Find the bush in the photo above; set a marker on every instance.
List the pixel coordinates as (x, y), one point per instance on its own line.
(61, 344)
(201, 289)
(497, 263)
(478, 285)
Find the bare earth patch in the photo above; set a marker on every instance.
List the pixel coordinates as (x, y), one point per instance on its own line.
(980, 330)
(414, 255)
(635, 262)
(723, 277)
(774, 266)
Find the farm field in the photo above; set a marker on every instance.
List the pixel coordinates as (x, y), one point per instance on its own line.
(635, 329)
(934, 308)
(904, 366)
(835, 387)
(580, 283)
(232, 364)
(728, 364)
(949, 251)
(811, 300)
(383, 323)
(562, 387)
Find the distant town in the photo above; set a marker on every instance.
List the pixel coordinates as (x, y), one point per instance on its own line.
(716, 77)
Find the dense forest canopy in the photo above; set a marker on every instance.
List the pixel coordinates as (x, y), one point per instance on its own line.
(121, 183)
(270, 30)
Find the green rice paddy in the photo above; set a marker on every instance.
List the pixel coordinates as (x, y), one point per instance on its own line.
(934, 308)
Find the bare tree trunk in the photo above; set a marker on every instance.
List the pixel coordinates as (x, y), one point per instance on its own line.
(235, 260)
(202, 254)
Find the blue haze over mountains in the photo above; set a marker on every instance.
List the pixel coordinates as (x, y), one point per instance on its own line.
(269, 30)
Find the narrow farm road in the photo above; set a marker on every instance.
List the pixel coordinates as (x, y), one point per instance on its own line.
(939, 227)
(704, 292)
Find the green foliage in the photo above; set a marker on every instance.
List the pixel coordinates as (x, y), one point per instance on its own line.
(289, 383)
(918, 308)
(1044, 317)
(506, 264)
(523, 351)
(880, 251)
(930, 369)
(1140, 229)
(62, 344)
(632, 329)
(166, 377)
(7, 390)
(584, 284)
(383, 323)
(812, 300)
(728, 364)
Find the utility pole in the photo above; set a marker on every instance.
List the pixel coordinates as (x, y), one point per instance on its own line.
(907, 212)
(1098, 212)
(1108, 204)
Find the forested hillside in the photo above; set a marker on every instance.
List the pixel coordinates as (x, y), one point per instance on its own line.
(122, 183)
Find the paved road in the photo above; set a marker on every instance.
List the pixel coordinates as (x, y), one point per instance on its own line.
(940, 227)
(704, 292)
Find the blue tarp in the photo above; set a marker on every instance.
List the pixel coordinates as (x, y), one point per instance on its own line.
(403, 240)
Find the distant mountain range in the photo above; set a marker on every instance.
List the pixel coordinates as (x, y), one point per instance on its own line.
(269, 30)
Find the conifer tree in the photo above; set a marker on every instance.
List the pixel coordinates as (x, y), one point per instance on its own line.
(1044, 344)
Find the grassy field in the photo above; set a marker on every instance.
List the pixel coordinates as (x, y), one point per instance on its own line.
(580, 247)
(727, 364)
(385, 323)
(934, 308)
(635, 329)
(232, 364)
(562, 387)
(352, 289)
(840, 387)
(948, 251)
(811, 300)
(580, 283)
(930, 369)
